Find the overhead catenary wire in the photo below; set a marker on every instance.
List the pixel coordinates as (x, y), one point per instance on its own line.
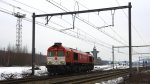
(47, 26)
(87, 41)
(28, 12)
(6, 11)
(112, 20)
(83, 20)
(14, 6)
(132, 24)
(29, 6)
(105, 21)
(61, 18)
(39, 23)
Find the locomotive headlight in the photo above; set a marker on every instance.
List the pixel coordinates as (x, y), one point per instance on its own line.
(62, 62)
(49, 62)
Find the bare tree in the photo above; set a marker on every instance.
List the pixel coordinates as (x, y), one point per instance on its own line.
(25, 49)
(9, 47)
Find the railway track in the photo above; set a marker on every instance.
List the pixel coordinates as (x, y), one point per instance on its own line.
(75, 78)
(88, 78)
(22, 80)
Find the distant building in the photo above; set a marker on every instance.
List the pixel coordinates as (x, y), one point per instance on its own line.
(97, 60)
(95, 52)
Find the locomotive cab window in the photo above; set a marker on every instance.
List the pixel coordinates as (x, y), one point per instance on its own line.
(90, 59)
(67, 53)
(75, 56)
(51, 53)
(60, 53)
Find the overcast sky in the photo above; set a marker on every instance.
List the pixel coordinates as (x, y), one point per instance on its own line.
(85, 33)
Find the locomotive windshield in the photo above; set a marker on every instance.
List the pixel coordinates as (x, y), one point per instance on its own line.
(51, 53)
(60, 53)
(54, 53)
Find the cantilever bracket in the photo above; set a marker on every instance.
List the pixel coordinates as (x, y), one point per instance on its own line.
(73, 18)
(112, 13)
(47, 19)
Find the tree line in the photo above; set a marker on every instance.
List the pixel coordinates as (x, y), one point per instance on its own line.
(13, 57)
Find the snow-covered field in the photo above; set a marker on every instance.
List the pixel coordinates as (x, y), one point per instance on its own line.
(108, 67)
(18, 72)
(113, 81)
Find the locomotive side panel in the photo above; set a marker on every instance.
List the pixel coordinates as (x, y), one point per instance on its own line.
(83, 58)
(69, 56)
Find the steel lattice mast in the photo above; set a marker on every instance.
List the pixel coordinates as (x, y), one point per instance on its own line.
(19, 30)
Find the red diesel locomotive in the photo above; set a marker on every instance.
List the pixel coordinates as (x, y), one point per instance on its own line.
(61, 59)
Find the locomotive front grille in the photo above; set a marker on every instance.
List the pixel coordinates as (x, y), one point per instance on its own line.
(53, 61)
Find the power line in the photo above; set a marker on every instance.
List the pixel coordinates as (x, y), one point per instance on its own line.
(91, 23)
(14, 6)
(56, 23)
(86, 11)
(42, 24)
(47, 26)
(6, 11)
(29, 6)
(33, 47)
(104, 22)
(132, 24)
(87, 22)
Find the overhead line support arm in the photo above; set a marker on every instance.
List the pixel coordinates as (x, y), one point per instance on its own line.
(83, 11)
(131, 46)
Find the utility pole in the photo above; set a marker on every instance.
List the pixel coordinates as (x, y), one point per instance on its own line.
(113, 56)
(130, 55)
(130, 38)
(33, 43)
(19, 30)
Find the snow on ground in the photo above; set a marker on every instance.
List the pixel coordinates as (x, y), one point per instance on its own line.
(18, 71)
(113, 81)
(108, 67)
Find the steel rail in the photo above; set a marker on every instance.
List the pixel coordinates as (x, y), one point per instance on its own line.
(89, 78)
(70, 78)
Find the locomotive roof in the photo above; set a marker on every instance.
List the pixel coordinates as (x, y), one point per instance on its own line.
(69, 49)
(74, 50)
